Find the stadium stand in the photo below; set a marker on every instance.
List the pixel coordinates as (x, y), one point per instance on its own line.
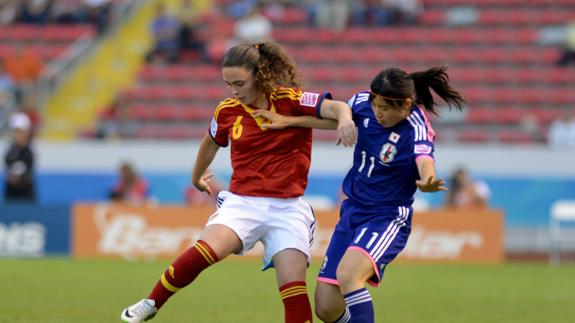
(47, 41)
(493, 49)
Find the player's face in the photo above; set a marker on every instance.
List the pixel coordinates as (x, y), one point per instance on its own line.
(241, 83)
(386, 114)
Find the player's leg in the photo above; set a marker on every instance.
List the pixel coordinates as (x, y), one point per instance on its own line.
(353, 271)
(215, 243)
(219, 239)
(287, 240)
(329, 303)
(379, 239)
(291, 266)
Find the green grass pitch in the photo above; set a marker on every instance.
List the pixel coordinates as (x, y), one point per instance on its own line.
(64, 290)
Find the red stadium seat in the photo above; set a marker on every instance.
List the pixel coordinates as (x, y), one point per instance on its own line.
(515, 137)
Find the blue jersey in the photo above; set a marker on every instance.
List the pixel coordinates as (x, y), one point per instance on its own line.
(384, 169)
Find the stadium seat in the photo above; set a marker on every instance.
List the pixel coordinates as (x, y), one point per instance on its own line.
(514, 137)
(497, 62)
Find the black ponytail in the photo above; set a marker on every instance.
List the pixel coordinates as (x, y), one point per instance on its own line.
(395, 86)
(437, 79)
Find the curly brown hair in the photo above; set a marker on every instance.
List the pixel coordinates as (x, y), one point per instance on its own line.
(270, 64)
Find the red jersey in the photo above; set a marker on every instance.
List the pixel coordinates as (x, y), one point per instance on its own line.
(267, 163)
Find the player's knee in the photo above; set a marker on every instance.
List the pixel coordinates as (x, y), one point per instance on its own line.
(325, 312)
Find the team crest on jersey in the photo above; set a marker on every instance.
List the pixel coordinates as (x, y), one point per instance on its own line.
(309, 99)
(394, 137)
(388, 152)
(365, 122)
(213, 127)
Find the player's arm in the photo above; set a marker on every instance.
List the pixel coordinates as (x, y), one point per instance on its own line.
(279, 121)
(337, 116)
(340, 111)
(427, 181)
(206, 154)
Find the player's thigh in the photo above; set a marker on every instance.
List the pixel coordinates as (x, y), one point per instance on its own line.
(340, 240)
(291, 265)
(289, 234)
(222, 240)
(355, 268)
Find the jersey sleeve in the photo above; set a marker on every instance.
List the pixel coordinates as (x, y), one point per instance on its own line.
(354, 104)
(423, 136)
(219, 128)
(309, 103)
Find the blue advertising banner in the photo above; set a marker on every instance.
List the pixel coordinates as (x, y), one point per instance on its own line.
(34, 231)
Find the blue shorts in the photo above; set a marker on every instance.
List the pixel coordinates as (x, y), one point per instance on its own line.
(380, 234)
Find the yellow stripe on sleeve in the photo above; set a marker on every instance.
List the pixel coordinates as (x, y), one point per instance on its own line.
(228, 103)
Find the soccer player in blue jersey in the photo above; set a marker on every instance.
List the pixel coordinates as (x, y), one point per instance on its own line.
(392, 159)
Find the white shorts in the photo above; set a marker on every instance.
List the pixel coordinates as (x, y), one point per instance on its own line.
(279, 223)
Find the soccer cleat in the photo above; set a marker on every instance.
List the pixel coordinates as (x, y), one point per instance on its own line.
(141, 311)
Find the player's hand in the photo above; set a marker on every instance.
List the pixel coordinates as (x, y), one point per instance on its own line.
(346, 133)
(274, 120)
(431, 184)
(203, 184)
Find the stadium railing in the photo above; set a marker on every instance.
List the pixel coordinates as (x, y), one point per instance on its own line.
(561, 211)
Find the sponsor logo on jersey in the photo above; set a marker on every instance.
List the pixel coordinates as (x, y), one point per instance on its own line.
(422, 149)
(365, 122)
(394, 137)
(213, 127)
(309, 99)
(388, 152)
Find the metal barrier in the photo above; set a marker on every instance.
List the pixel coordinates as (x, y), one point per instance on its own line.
(58, 69)
(561, 211)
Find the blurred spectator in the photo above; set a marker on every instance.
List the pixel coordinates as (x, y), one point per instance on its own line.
(241, 8)
(117, 122)
(97, 12)
(465, 192)
(568, 53)
(6, 90)
(529, 124)
(131, 187)
(189, 38)
(219, 38)
(253, 27)
(397, 12)
(561, 133)
(8, 12)
(30, 108)
(67, 11)
(19, 176)
(34, 11)
(24, 66)
(164, 29)
(359, 12)
(408, 11)
(332, 14)
(195, 197)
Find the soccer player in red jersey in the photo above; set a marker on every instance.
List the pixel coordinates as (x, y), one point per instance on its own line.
(270, 169)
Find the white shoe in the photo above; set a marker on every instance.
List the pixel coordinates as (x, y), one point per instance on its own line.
(141, 311)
